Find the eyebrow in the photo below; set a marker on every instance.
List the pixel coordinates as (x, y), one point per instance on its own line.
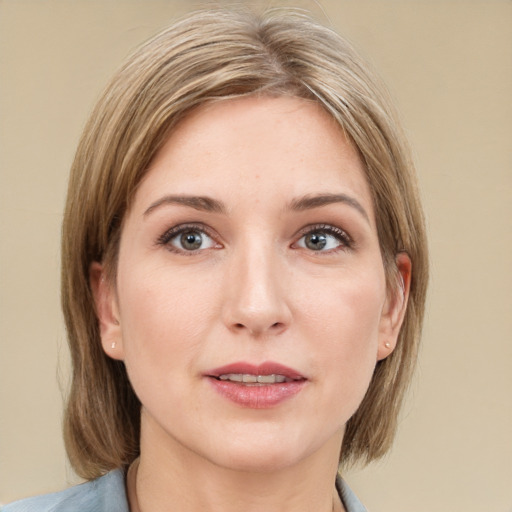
(202, 203)
(308, 202)
(316, 201)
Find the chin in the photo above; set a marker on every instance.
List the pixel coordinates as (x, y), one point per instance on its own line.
(266, 451)
(258, 459)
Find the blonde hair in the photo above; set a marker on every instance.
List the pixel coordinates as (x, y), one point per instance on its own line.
(213, 55)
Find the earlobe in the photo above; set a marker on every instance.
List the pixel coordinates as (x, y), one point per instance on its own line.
(106, 311)
(395, 308)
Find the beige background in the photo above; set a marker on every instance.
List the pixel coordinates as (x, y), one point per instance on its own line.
(448, 63)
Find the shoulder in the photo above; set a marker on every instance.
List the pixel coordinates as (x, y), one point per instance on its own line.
(105, 494)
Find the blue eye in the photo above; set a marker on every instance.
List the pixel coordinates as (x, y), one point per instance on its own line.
(186, 239)
(323, 239)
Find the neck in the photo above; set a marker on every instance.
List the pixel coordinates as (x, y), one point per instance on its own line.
(167, 472)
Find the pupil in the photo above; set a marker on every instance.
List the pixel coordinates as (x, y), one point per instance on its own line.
(316, 241)
(191, 240)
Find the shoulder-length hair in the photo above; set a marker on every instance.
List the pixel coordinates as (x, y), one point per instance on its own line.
(209, 56)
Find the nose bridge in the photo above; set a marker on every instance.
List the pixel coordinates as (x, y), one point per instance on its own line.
(256, 299)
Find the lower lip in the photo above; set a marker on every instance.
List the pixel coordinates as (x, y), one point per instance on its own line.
(257, 396)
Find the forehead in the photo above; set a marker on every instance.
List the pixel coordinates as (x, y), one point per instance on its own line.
(257, 147)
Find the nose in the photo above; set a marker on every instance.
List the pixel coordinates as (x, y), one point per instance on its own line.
(256, 294)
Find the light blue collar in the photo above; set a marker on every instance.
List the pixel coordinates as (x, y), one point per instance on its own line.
(108, 494)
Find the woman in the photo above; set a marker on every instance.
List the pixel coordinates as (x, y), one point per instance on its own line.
(244, 273)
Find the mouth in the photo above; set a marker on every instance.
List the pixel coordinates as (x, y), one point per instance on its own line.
(256, 386)
(250, 379)
(263, 374)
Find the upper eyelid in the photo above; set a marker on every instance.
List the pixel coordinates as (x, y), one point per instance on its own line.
(346, 241)
(324, 227)
(174, 231)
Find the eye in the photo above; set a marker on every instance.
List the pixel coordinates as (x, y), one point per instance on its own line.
(324, 238)
(187, 239)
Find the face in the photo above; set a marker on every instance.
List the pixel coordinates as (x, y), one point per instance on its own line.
(250, 305)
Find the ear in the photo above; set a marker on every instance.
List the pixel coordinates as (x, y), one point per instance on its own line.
(107, 311)
(394, 308)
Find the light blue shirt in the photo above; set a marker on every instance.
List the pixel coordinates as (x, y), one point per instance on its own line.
(108, 494)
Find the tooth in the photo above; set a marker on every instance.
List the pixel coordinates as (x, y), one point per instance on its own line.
(247, 378)
(267, 379)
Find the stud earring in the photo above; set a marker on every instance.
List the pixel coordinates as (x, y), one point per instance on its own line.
(113, 344)
(387, 344)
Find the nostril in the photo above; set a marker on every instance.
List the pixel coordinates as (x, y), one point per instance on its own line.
(277, 328)
(273, 327)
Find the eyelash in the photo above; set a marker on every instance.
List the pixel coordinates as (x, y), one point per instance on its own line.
(346, 242)
(175, 231)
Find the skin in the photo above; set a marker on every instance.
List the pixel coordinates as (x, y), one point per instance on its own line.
(254, 291)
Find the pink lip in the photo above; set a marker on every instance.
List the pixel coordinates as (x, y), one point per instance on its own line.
(261, 396)
(266, 368)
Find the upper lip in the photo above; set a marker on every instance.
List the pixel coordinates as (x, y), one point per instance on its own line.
(266, 368)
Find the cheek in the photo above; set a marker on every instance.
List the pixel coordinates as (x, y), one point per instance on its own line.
(344, 322)
(163, 320)
(345, 310)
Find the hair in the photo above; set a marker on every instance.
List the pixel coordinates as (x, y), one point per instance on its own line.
(210, 56)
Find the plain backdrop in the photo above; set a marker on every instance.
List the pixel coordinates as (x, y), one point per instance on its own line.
(449, 65)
